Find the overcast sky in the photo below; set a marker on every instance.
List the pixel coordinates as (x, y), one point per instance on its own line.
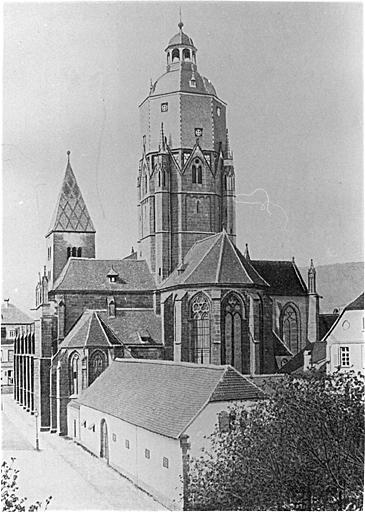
(74, 74)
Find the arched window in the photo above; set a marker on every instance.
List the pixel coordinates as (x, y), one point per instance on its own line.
(79, 252)
(111, 308)
(164, 178)
(97, 365)
(235, 345)
(225, 182)
(290, 328)
(159, 178)
(193, 177)
(186, 54)
(175, 55)
(200, 174)
(73, 251)
(68, 252)
(74, 374)
(200, 329)
(197, 206)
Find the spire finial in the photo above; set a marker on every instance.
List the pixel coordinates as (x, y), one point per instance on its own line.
(68, 156)
(180, 24)
(247, 253)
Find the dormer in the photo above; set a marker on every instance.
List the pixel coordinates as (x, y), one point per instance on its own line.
(112, 275)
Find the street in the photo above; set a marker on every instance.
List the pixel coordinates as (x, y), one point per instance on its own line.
(73, 477)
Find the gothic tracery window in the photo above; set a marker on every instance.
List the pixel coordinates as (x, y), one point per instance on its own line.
(235, 342)
(200, 333)
(97, 365)
(290, 328)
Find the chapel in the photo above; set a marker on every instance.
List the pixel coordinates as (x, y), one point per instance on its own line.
(188, 293)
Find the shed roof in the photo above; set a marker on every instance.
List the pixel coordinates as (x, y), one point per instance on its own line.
(163, 396)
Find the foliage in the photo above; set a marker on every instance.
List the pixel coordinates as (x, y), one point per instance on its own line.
(302, 448)
(10, 500)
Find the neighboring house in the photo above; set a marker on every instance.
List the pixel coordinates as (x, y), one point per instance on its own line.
(12, 319)
(146, 418)
(345, 348)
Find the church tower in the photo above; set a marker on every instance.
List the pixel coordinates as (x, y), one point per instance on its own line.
(186, 181)
(71, 232)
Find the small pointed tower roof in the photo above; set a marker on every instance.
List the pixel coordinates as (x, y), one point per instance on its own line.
(71, 213)
(247, 253)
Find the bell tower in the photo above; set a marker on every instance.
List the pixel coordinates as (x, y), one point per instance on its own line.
(186, 180)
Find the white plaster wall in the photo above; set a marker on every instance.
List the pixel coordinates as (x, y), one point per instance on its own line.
(205, 423)
(163, 483)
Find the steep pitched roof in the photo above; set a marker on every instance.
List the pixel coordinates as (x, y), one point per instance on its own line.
(325, 323)
(164, 396)
(92, 274)
(10, 314)
(357, 304)
(71, 213)
(296, 364)
(89, 331)
(283, 277)
(134, 327)
(214, 260)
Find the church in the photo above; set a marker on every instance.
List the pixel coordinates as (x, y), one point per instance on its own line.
(188, 293)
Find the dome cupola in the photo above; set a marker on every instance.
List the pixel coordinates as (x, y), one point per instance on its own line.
(180, 48)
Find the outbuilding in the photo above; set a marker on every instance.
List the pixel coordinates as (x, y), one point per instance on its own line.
(147, 417)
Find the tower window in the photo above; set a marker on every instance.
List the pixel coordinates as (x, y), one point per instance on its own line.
(200, 174)
(79, 252)
(186, 54)
(164, 107)
(74, 251)
(159, 178)
(193, 177)
(218, 111)
(164, 178)
(68, 252)
(192, 82)
(175, 55)
(197, 206)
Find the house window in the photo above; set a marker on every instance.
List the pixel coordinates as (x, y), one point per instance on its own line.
(11, 356)
(164, 107)
(165, 462)
(114, 437)
(200, 329)
(84, 424)
(147, 453)
(345, 356)
(92, 427)
(12, 334)
(127, 444)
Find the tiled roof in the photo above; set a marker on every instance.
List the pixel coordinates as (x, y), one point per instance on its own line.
(91, 274)
(283, 277)
(357, 304)
(214, 260)
(163, 396)
(325, 323)
(266, 382)
(89, 331)
(10, 314)
(134, 327)
(71, 213)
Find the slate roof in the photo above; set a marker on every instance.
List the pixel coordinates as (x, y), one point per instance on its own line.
(283, 277)
(280, 349)
(296, 364)
(180, 38)
(357, 304)
(89, 331)
(92, 274)
(71, 213)
(164, 396)
(134, 327)
(214, 260)
(318, 351)
(325, 323)
(10, 314)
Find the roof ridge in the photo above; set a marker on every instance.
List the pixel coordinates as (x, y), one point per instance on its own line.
(172, 363)
(188, 274)
(236, 256)
(101, 327)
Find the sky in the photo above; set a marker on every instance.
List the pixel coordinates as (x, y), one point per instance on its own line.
(291, 73)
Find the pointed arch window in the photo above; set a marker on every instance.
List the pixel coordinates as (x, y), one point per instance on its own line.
(186, 54)
(234, 331)
(197, 206)
(290, 328)
(200, 174)
(164, 178)
(97, 365)
(74, 373)
(200, 329)
(193, 174)
(159, 178)
(175, 56)
(79, 252)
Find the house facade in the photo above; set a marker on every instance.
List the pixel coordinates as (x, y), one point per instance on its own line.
(136, 417)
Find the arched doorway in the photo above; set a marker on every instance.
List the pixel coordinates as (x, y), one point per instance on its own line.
(104, 444)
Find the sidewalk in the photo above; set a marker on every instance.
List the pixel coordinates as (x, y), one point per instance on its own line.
(73, 477)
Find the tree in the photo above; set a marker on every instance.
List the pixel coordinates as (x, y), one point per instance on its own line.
(10, 500)
(299, 449)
